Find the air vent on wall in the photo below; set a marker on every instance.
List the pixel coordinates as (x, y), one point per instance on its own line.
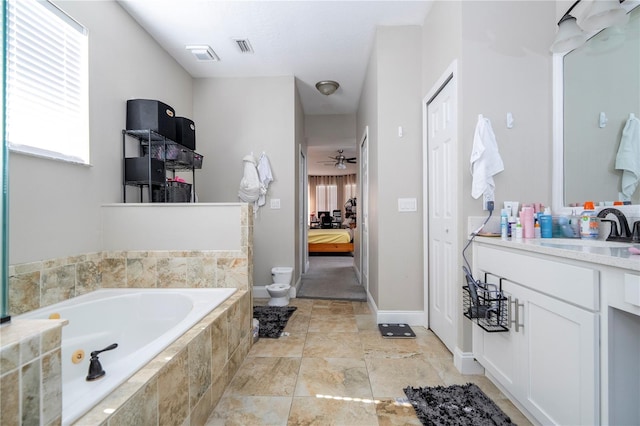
(243, 45)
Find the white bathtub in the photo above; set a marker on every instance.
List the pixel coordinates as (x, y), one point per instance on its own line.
(142, 322)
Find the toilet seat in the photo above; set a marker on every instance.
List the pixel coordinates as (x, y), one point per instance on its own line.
(278, 286)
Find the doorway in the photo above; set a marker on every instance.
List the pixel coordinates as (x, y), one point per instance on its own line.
(440, 167)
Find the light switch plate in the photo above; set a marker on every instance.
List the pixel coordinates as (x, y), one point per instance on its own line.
(407, 205)
(275, 203)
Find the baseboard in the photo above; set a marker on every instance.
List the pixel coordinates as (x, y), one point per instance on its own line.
(416, 318)
(466, 363)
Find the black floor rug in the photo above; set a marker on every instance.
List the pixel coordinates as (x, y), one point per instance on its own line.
(272, 319)
(455, 405)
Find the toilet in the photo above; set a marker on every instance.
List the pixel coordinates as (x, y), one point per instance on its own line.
(280, 289)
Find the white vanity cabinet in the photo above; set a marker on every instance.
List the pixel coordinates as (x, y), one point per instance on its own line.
(548, 360)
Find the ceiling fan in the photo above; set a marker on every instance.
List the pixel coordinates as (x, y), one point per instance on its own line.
(339, 161)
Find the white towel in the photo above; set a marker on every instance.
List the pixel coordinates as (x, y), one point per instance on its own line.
(266, 177)
(250, 184)
(628, 158)
(485, 159)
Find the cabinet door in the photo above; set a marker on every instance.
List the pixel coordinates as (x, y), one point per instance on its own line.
(559, 359)
(497, 353)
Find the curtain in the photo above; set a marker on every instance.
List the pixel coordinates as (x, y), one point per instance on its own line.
(328, 193)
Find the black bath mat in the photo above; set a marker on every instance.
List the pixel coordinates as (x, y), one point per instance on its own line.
(272, 319)
(455, 405)
(396, 331)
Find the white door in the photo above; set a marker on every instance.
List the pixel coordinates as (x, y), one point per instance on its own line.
(304, 209)
(443, 272)
(363, 208)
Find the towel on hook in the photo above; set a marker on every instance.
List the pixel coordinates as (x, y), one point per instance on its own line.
(265, 176)
(250, 184)
(485, 159)
(628, 157)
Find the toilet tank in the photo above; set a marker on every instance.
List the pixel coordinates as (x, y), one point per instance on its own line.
(282, 274)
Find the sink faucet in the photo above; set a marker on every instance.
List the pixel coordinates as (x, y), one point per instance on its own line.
(624, 234)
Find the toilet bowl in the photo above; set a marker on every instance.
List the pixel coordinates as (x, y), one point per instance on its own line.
(280, 290)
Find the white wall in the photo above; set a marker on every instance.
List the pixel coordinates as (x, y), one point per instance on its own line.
(54, 206)
(237, 116)
(334, 129)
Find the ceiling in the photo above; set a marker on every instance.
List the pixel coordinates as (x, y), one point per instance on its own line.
(311, 40)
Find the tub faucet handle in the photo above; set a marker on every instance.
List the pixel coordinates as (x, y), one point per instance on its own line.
(95, 368)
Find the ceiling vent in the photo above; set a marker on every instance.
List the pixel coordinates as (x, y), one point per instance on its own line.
(203, 52)
(243, 45)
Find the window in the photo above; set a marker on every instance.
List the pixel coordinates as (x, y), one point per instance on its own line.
(326, 197)
(47, 101)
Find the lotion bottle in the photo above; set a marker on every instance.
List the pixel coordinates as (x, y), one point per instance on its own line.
(518, 230)
(504, 225)
(526, 218)
(546, 224)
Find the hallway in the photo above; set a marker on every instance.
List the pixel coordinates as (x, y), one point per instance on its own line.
(331, 277)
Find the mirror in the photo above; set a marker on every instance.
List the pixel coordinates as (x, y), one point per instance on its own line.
(601, 88)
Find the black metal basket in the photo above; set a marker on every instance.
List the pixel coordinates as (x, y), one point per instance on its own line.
(485, 304)
(173, 192)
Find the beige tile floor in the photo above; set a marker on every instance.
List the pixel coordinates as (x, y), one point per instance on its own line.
(334, 368)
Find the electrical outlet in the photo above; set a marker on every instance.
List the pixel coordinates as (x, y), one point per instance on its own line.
(485, 200)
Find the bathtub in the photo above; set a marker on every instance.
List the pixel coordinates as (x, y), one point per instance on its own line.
(142, 322)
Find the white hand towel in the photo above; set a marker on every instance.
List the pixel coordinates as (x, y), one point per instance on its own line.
(628, 158)
(485, 159)
(266, 177)
(250, 184)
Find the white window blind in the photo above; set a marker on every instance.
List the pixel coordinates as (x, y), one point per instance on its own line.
(47, 105)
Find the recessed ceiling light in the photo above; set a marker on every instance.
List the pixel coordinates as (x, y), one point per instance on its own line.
(203, 52)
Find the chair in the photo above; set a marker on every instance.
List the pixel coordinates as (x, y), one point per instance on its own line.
(326, 222)
(337, 218)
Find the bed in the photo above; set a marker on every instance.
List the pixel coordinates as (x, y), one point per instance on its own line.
(330, 240)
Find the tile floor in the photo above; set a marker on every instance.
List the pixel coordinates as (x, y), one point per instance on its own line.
(334, 368)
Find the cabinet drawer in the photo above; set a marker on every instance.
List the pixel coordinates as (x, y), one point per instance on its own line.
(575, 284)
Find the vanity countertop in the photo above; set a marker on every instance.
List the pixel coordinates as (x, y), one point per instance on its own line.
(595, 251)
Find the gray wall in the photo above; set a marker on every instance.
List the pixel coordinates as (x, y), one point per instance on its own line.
(55, 206)
(391, 98)
(504, 65)
(238, 116)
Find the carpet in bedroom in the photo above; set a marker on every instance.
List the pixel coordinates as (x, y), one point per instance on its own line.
(331, 277)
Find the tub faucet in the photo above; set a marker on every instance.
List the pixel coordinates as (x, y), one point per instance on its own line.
(95, 368)
(624, 234)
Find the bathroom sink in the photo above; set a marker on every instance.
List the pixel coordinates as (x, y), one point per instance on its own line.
(585, 243)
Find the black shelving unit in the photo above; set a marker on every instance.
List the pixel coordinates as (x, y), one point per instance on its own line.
(147, 171)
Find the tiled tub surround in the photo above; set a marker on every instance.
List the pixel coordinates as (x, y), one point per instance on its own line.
(30, 373)
(39, 284)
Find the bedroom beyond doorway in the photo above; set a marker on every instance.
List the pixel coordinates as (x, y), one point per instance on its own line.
(331, 277)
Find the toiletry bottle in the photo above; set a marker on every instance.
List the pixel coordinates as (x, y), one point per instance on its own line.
(546, 224)
(504, 225)
(574, 224)
(537, 233)
(518, 232)
(526, 219)
(589, 222)
(511, 230)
